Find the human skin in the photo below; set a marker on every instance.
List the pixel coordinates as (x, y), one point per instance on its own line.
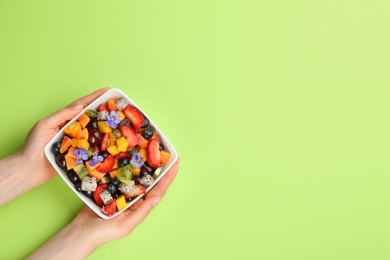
(15, 169)
(80, 237)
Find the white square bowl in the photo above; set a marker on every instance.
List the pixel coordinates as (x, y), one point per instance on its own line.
(112, 93)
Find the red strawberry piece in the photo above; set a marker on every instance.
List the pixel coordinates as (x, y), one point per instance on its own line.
(153, 152)
(95, 148)
(122, 155)
(138, 190)
(103, 145)
(107, 164)
(96, 194)
(130, 134)
(110, 208)
(102, 107)
(134, 115)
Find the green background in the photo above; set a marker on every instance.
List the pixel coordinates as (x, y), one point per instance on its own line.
(278, 110)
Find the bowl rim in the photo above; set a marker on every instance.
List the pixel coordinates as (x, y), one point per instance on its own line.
(111, 93)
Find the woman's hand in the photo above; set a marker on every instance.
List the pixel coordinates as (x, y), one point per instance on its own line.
(27, 168)
(127, 221)
(44, 130)
(88, 231)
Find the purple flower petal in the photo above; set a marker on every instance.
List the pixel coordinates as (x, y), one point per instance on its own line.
(93, 162)
(81, 155)
(96, 158)
(136, 160)
(113, 119)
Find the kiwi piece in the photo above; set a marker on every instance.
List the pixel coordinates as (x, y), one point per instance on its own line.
(81, 172)
(105, 179)
(91, 113)
(124, 174)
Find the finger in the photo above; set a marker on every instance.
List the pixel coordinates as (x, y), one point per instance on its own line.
(160, 189)
(86, 100)
(60, 117)
(138, 215)
(162, 186)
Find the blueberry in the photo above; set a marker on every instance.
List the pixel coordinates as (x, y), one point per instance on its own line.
(104, 154)
(73, 177)
(89, 194)
(55, 148)
(161, 147)
(60, 160)
(125, 122)
(123, 162)
(146, 122)
(115, 181)
(77, 186)
(117, 194)
(112, 188)
(147, 133)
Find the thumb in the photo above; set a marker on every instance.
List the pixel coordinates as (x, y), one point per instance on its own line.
(138, 215)
(60, 117)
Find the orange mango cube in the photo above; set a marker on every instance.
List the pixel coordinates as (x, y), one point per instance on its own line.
(91, 168)
(104, 128)
(113, 150)
(122, 144)
(121, 202)
(82, 134)
(65, 143)
(73, 128)
(83, 143)
(84, 120)
(111, 104)
(70, 162)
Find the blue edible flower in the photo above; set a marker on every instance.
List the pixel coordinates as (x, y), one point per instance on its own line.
(113, 119)
(136, 160)
(96, 158)
(81, 154)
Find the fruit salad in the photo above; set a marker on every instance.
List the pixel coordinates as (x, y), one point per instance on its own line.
(111, 154)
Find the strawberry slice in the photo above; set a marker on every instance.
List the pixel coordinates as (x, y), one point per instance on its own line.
(110, 208)
(153, 152)
(134, 115)
(122, 155)
(130, 134)
(107, 164)
(138, 190)
(96, 194)
(102, 107)
(95, 148)
(103, 145)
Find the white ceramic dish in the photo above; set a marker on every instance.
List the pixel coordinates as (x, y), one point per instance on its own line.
(112, 93)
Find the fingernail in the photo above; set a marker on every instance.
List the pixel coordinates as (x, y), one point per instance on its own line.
(77, 106)
(156, 202)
